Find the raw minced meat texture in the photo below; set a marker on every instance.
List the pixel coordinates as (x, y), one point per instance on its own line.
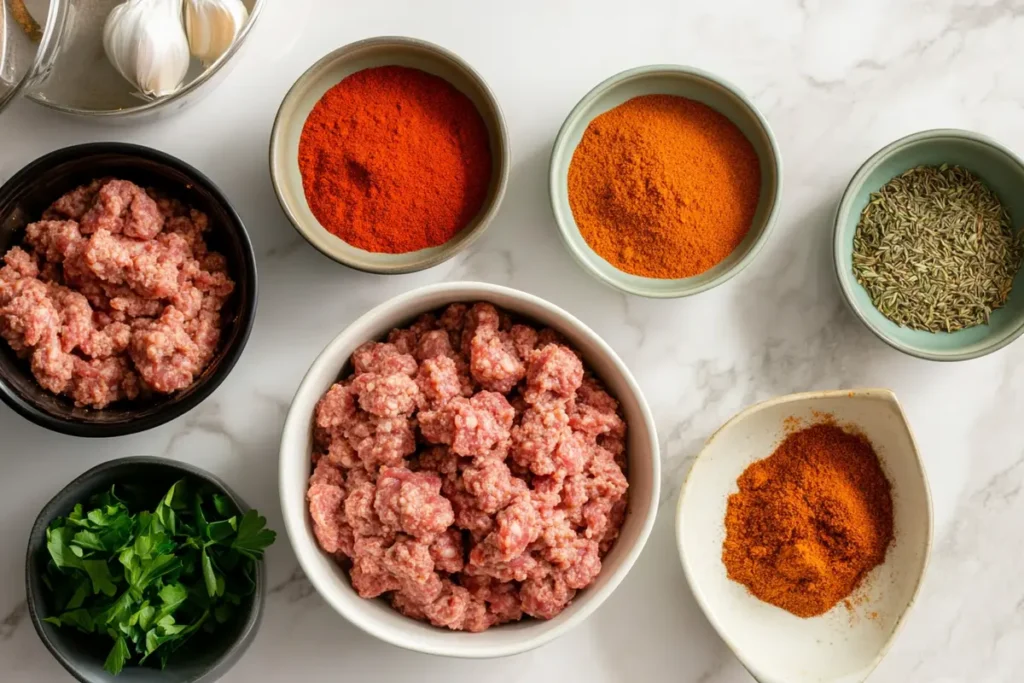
(470, 470)
(114, 295)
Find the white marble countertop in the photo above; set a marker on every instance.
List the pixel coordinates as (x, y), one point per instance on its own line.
(836, 80)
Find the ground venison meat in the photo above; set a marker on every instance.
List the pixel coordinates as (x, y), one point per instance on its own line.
(474, 426)
(470, 470)
(438, 381)
(389, 396)
(553, 373)
(114, 295)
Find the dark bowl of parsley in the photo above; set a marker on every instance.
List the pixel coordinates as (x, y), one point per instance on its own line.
(147, 570)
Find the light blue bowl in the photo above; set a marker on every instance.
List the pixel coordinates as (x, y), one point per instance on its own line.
(1001, 170)
(697, 85)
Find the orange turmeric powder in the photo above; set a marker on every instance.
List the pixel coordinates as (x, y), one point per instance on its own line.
(663, 186)
(810, 521)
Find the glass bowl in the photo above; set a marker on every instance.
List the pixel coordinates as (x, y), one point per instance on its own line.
(64, 67)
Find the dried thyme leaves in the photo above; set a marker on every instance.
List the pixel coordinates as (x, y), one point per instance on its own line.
(935, 249)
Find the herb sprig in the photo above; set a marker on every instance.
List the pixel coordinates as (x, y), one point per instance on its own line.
(151, 579)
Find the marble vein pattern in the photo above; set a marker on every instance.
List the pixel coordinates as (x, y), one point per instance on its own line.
(837, 79)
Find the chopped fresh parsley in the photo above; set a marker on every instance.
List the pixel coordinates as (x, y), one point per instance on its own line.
(150, 578)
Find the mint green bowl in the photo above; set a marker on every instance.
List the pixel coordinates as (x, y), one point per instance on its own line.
(697, 85)
(1001, 169)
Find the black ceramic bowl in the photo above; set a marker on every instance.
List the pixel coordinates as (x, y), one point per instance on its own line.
(203, 659)
(23, 199)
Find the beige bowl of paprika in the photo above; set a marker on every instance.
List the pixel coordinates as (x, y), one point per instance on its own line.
(804, 529)
(390, 155)
(665, 181)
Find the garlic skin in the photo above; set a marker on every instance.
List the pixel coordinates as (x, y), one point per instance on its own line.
(212, 26)
(146, 43)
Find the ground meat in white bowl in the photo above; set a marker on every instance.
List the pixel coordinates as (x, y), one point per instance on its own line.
(470, 470)
(114, 295)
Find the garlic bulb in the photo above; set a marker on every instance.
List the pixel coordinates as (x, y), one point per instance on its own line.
(146, 43)
(212, 26)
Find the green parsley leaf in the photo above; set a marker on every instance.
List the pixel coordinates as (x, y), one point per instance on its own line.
(77, 515)
(218, 532)
(118, 656)
(172, 595)
(223, 505)
(108, 515)
(166, 626)
(252, 537)
(176, 497)
(147, 615)
(58, 544)
(78, 597)
(99, 574)
(78, 618)
(88, 540)
(200, 518)
(150, 579)
(209, 576)
(119, 612)
(153, 569)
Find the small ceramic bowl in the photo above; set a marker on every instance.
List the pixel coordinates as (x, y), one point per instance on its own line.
(1001, 170)
(328, 72)
(376, 617)
(24, 197)
(202, 660)
(693, 84)
(845, 644)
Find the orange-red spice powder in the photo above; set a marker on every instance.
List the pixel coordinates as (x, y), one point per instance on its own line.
(394, 160)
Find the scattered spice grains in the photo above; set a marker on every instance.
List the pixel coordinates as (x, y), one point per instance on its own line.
(810, 521)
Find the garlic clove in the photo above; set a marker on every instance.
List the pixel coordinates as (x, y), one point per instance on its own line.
(212, 26)
(146, 42)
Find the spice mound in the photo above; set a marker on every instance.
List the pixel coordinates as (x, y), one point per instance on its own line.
(936, 251)
(114, 295)
(663, 186)
(394, 160)
(810, 521)
(470, 470)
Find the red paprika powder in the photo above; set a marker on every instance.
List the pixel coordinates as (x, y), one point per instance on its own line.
(394, 159)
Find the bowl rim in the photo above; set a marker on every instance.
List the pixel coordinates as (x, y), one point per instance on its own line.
(183, 92)
(874, 394)
(488, 211)
(247, 309)
(843, 211)
(567, 223)
(297, 426)
(56, 16)
(91, 477)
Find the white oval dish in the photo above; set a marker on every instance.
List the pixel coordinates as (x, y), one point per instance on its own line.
(375, 616)
(843, 645)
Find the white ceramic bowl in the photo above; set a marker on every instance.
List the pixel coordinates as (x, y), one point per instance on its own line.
(840, 646)
(375, 616)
